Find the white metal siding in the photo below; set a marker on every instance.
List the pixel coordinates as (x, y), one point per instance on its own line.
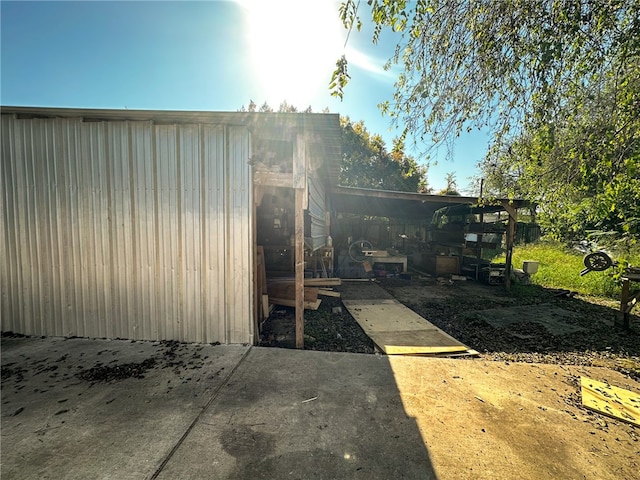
(123, 229)
(317, 212)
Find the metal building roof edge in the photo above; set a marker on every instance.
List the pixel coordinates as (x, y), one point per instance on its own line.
(178, 116)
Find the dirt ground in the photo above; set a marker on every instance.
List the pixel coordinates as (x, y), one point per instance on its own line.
(529, 324)
(534, 346)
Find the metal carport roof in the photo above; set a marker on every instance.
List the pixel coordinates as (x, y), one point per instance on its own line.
(408, 205)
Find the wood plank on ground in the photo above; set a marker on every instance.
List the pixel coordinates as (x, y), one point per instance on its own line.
(397, 330)
(609, 400)
(328, 293)
(418, 341)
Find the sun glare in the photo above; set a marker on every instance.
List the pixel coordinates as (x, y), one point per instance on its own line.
(294, 47)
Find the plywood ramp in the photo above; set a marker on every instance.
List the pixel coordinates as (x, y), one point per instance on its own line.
(395, 328)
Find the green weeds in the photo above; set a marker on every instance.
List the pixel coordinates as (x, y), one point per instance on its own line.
(560, 266)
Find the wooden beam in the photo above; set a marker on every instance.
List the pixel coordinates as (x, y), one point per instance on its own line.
(329, 293)
(511, 236)
(299, 265)
(284, 290)
(627, 302)
(309, 282)
(324, 282)
(274, 179)
(291, 303)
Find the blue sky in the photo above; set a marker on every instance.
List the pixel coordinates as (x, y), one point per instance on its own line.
(210, 55)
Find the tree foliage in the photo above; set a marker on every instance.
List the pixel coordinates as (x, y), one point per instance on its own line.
(494, 62)
(366, 163)
(583, 168)
(452, 185)
(555, 81)
(285, 107)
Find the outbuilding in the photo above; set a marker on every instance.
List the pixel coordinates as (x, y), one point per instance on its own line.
(144, 224)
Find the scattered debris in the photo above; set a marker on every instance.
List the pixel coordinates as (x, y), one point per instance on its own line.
(321, 328)
(11, 372)
(105, 373)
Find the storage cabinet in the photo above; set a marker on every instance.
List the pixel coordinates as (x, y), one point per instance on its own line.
(443, 264)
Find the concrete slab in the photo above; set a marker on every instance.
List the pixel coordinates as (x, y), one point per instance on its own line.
(305, 415)
(58, 425)
(223, 412)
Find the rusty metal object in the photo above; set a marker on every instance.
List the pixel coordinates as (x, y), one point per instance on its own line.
(596, 261)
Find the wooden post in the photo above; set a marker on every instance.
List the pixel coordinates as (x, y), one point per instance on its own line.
(299, 263)
(624, 303)
(511, 235)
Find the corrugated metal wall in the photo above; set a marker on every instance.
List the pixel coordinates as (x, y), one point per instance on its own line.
(317, 212)
(123, 229)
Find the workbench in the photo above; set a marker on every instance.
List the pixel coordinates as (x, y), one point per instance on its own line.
(394, 259)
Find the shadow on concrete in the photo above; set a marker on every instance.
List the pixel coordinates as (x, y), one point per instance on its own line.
(306, 415)
(81, 408)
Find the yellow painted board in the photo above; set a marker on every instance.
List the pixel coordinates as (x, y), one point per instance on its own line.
(467, 353)
(609, 400)
(420, 349)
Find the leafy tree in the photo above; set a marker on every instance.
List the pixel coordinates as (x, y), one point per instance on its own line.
(366, 163)
(556, 81)
(286, 107)
(265, 108)
(452, 185)
(584, 167)
(495, 63)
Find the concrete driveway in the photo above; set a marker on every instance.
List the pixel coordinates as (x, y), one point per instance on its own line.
(79, 409)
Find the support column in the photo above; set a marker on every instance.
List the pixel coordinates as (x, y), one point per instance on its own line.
(299, 265)
(511, 236)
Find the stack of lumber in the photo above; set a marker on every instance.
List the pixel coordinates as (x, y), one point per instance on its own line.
(282, 291)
